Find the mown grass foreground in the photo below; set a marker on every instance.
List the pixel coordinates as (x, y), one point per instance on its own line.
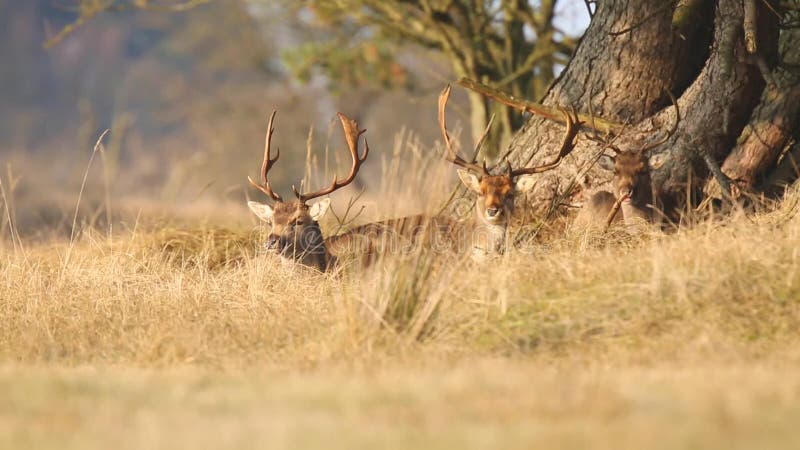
(190, 339)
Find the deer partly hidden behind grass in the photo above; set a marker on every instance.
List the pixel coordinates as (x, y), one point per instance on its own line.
(496, 193)
(295, 233)
(632, 186)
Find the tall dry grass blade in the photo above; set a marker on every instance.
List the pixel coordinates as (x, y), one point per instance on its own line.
(9, 220)
(80, 193)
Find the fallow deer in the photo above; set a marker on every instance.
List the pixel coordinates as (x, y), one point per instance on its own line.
(494, 205)
(295, 233)
(633, 191)
(632, 186)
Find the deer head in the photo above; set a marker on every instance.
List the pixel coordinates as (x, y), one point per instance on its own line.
(496, 193)
(295, 234)
(632, 183)
(632, 186)
(631, 174)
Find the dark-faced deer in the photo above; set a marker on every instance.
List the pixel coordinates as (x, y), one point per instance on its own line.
(496, 193)
(631, 185)
(295, 233)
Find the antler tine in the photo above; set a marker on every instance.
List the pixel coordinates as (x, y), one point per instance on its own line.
(268, 163)
(483, 138)
(672, 130)
(351, 135)
(594, 136)
(452, 155)
(567, 144)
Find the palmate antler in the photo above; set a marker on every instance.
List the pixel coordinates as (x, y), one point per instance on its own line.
(351, 135)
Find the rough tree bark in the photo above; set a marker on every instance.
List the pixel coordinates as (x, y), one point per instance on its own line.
(630, 57)
(770, 130)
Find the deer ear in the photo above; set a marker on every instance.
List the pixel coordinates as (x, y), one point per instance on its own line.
(606, 162)
(524, 183)
(470, 180)
(318, 209)
(656, 161)
(262, 211)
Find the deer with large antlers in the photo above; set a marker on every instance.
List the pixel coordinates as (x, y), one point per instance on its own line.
(295, 233)
(496, 192)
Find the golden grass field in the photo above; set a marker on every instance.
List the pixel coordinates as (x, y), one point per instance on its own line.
(181, 338)
(176, 336)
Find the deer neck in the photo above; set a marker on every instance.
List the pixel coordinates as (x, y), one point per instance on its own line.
(311, 251)
(633, 212)
(320, 260)
(489, 238)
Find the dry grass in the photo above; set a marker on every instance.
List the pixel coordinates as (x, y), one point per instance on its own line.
(190, 338)
(156, 339)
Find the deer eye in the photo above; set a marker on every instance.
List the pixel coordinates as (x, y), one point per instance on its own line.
(299, 222)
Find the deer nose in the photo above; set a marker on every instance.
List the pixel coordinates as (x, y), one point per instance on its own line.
(272, 242)
(492, 212)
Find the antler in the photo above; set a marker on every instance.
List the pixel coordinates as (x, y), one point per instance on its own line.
(606, 143)
(567, 144)
(452, 155)
(351, 135)
(268, 163)
(672, 130)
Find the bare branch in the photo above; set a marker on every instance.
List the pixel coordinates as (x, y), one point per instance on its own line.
(593, 123)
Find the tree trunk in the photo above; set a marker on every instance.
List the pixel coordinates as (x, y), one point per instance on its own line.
(769, 131)
(630, 58)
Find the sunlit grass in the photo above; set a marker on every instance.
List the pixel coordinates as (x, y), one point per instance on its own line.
(170, 336)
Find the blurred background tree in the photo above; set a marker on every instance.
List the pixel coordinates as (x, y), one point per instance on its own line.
(513, 45)
(88, 9)
(186, 87)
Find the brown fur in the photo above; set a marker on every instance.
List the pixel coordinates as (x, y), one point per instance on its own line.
(395, 236)
(296, 235)
(631, 178)
(494, 207)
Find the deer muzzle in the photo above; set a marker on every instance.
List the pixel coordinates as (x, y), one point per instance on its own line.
(273, 242)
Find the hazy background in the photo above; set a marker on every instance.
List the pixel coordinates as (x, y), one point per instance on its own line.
(186, 96)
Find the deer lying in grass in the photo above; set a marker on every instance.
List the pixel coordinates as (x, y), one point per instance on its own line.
(496, 193)
(295, 233)
(633, 190)
(631, 183)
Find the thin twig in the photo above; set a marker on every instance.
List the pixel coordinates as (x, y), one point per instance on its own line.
(588, 4)
(614, 210)
(343, 221)
(647, 18)
(89, 14)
